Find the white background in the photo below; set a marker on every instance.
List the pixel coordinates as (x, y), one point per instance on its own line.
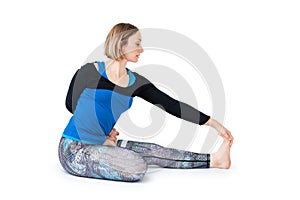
(254, 45)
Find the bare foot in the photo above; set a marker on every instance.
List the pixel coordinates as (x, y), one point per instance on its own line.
(221, 159)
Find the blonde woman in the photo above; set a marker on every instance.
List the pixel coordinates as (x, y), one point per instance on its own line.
(99, 93)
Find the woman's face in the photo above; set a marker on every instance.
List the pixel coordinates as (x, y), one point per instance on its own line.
(133, 48)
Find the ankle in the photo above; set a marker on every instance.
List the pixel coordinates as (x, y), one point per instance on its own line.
(213, 163)
(221, 163)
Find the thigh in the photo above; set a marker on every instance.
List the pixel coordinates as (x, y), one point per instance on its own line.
(99, 161)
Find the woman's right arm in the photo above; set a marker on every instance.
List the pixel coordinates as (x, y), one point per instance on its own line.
(71, 95)
(81, 79)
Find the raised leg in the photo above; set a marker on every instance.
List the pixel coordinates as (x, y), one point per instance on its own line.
(99, 161)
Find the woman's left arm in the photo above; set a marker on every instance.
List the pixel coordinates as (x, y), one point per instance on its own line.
(155, 96)
(177, 108)
(182, 110)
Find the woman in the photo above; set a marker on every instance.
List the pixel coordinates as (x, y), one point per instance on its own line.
(99, 93)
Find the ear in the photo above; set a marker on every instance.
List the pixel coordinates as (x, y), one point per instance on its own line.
(122, 47)
(119, 44)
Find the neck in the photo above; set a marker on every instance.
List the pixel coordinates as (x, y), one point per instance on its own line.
(117, 68)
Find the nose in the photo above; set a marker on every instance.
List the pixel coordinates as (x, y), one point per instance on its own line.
(141, 49)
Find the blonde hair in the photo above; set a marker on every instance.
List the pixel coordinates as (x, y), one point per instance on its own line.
(117, 38)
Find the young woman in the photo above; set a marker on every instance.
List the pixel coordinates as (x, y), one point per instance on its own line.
(99, 93)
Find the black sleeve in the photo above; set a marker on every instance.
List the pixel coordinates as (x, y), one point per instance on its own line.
(73, 93)
(85, 77)
(179, 109)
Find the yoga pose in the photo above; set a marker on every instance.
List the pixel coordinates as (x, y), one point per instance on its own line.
(99, 93)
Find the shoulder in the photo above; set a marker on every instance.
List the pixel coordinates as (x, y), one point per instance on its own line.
(88, 75)
(140, 79)
(89, 67)
(89, 70)
(141, 84)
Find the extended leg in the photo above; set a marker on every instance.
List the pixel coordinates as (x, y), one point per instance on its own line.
(98, 161)
(167, 157)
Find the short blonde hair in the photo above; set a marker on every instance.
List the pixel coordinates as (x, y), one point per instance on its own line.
(117, 38)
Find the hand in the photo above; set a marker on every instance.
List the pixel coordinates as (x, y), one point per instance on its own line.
(226, 134)
(223, 132)
(111, 139)
(113, 135)
(108, 142)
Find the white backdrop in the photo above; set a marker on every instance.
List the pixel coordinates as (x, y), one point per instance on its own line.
(254, 45)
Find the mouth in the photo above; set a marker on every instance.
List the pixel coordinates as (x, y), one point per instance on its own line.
(137, 56)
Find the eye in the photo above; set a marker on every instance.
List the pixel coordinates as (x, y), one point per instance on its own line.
(138, 44)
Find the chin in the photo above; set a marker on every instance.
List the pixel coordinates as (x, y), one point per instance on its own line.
(134, 60)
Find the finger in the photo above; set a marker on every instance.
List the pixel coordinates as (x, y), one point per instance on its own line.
(114, 137)
(227, 138)
(117, 133)
(231, 139)
(229, 135)
(114, 134)
(224, 135)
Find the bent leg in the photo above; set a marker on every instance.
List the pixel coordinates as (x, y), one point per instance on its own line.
(99, 161)
(167, 157)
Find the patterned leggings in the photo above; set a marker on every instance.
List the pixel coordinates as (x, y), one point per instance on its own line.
(127, 161)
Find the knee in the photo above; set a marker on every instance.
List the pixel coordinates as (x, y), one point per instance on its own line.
(136, 172)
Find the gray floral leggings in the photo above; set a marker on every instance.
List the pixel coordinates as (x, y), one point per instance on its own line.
(127, 161)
